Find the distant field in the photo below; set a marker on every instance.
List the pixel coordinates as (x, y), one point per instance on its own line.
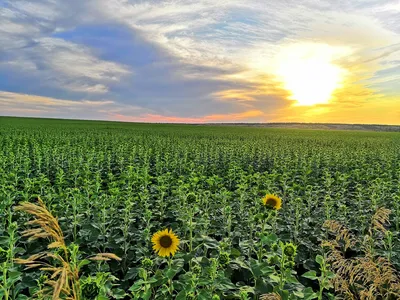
(113, 185)
(322, 126)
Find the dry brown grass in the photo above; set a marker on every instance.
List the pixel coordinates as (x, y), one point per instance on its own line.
(270, 296)
(63, 282)
(367, 276)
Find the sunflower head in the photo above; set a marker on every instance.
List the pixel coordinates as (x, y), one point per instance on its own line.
(224, 258)
(272, 201)
(290, 250)
(165, 242)
(228, 210)
(147, 263)
(191, 198)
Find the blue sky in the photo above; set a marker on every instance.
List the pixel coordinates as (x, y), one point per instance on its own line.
(201, 61)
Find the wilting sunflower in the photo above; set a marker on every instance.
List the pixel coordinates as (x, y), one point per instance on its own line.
(165, 242)
(272, 201)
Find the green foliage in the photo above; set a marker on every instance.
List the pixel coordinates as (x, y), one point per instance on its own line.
(113, 185)
(324, 279)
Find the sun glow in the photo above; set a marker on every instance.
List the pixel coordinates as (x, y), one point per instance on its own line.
(308, 74)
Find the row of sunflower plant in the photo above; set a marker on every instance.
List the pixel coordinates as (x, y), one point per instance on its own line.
(174, 274)
(271, 273)
(113, 185)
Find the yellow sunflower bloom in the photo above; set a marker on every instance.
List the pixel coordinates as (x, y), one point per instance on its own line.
(165, 242)
(272, 201)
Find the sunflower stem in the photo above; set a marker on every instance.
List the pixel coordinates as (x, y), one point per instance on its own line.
(261, 241)
(191, 232)
(282, 277)
(190, 236)
(170, 286)
(169, 261)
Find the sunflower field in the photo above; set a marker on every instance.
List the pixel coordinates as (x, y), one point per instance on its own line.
(106, 210)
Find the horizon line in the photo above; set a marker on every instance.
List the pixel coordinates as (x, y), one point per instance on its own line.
(210, 123)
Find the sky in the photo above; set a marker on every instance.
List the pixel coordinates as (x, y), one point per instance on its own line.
(202, 61)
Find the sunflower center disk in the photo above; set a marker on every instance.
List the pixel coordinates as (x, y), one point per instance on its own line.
(165, 241)
(271, 202)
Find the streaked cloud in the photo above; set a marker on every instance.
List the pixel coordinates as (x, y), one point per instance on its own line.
(108, 110)
(12, 101)
(29, 50)
(251, 115)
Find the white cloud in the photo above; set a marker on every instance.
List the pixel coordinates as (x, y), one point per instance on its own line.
(33, 101)
(225, 33)
(86, 88)
(66, 65)
(23, 104)
(45, 10)
(26, 47)
(76, 61)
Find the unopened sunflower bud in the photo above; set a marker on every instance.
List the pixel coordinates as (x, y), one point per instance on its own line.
(290, 264)
(191, 198)
(147, 263)
(290, 250)
(224, 258)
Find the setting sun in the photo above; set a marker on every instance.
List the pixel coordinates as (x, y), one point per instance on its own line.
(308, 74)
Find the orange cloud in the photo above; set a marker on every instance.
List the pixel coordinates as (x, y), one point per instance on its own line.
(214, 118)
(233, 94)
(234, 117)
(377, 110)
